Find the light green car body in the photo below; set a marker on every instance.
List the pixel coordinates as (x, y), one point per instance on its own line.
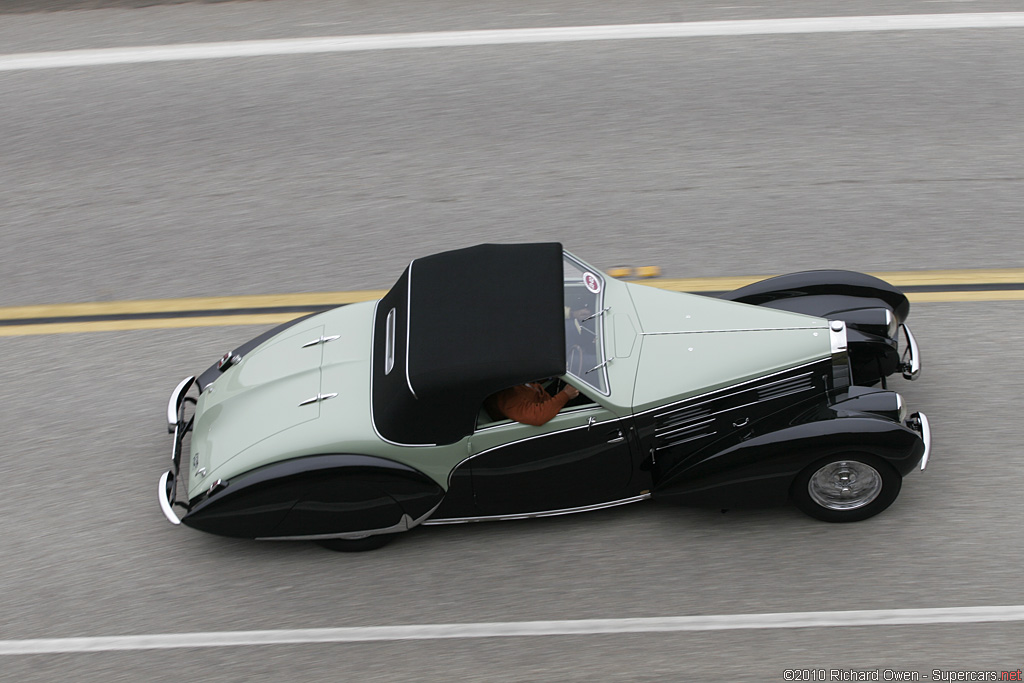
(662, 347)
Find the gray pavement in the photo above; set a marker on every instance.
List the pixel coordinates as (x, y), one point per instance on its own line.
(717, 157)
(330, 172)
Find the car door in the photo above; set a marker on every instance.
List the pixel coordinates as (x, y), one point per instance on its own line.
(581, 457)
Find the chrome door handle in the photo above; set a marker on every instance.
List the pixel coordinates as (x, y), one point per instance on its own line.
(744, 423)
(618, 436)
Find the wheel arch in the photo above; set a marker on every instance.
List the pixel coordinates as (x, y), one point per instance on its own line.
(858, 475)
(824, 293)
(872, 309)
(317, 496)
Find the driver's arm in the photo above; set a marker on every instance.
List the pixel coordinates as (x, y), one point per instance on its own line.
(531, 405)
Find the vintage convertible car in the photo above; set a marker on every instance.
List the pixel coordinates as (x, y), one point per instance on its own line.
(351, 425)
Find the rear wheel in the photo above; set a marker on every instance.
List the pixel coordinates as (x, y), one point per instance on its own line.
(847, 488)
(356, 545)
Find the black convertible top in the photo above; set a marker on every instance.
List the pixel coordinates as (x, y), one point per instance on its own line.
(459, 326)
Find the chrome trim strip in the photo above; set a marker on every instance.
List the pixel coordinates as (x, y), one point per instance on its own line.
(745, 329)
(165, 504)
(408, 329)
(174, 404)
(533, 515)
(176, 448)
(389, 342)
(321, 340)
(911, 368)
(925, 430)
(404, 524)
(695, 399)
(318, 398)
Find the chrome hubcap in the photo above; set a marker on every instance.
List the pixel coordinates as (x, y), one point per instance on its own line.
(845, 485)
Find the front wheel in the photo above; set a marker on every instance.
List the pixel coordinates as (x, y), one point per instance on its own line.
(846, 488)
(356, 545)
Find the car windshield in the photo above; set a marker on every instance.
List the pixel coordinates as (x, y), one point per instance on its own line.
(584, 324)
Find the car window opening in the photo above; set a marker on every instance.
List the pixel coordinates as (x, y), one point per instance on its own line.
(518, 403)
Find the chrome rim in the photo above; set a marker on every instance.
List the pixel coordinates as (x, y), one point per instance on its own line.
(845, 485)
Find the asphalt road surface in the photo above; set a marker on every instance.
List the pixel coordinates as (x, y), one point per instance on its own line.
(308, 173)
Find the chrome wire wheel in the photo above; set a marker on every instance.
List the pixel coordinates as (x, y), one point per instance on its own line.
(845, 485)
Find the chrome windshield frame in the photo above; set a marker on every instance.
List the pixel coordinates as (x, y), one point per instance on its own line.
(598, 318)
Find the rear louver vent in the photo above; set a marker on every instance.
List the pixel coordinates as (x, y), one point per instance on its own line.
(785, 387)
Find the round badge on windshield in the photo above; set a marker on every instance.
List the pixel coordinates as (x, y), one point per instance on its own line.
(592, 283)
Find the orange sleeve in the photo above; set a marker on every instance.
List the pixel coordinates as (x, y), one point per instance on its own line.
(522, 404)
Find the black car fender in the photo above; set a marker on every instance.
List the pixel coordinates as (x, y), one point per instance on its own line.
(867, 401)
(872, 309)
(823, 293)
(317, 496)
(759, 471)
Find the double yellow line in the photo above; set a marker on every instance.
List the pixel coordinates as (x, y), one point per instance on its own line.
(926, 286)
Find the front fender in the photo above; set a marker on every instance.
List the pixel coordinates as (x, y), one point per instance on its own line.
(823, 293)
(758, 472)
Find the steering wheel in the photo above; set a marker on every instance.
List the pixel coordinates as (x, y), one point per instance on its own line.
(574, 360)
(581, 328)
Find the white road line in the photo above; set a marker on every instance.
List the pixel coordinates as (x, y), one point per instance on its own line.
(725, 622)
(396, 41)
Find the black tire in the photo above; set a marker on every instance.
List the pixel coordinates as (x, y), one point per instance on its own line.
(357, 545)
(822, 492)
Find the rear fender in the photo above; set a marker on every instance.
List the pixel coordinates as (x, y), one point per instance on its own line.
(322, 496)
